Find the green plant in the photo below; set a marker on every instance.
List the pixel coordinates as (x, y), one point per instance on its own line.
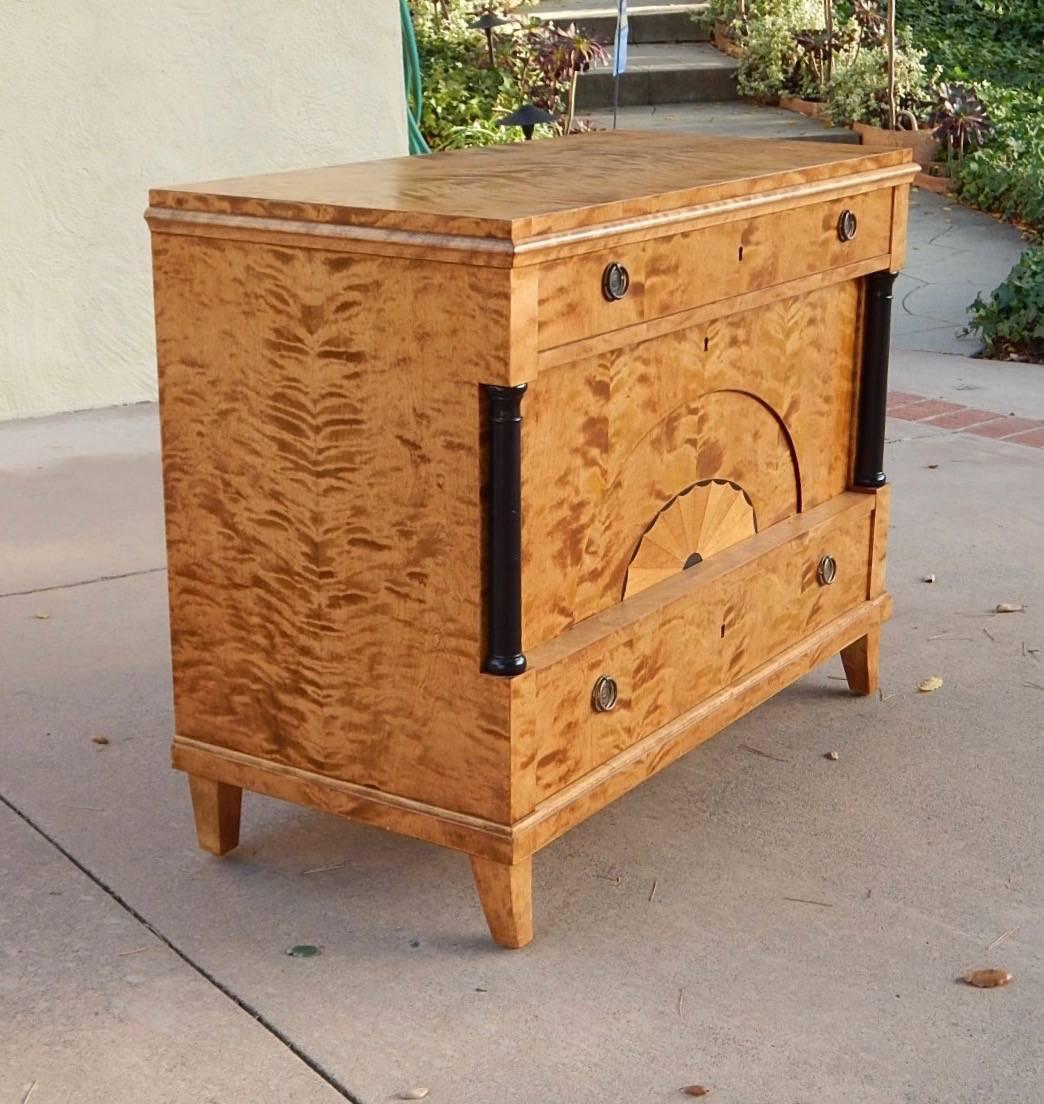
(464, 94)
(558, 56)
(771, 51)
(1001, 41)
(1006, 174)
(1011, 321)
(960, 121)
(858, 91)
(818, 53)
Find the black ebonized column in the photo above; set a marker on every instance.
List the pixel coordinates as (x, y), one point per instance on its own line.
(504, 611)
(873, 386)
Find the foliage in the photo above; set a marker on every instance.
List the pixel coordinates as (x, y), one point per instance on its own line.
(857, 92)
(464, 95)
(771, 50)
(974, 40)
(1007, 174)
(1011, 321)
(960, 120)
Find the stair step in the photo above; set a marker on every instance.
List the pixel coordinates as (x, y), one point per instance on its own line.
(647, 23)
(659, 74)
(735, 118)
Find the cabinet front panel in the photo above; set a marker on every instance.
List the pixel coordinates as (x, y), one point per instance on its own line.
(667, 275)
(677, 643)
(762, 399)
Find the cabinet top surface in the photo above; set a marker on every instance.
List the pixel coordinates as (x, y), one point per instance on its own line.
(528, 189)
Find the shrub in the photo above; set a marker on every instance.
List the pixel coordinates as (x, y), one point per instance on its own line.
(975, 40)
(1007, 174)
(464, 95)
(771, 48)
(858, 90)
(1011, 321)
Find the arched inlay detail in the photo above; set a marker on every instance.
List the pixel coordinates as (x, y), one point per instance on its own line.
(696, 523)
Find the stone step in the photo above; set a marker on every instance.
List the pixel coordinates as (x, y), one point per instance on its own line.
(647, 22)
(659, 74)
(733, 118)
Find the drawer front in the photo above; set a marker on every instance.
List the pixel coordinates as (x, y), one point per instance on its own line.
(677, 643)
(671, 274)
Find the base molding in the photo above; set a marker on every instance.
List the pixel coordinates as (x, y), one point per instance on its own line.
(550, 819)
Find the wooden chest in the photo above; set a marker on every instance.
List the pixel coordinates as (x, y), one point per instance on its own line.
(497, 480)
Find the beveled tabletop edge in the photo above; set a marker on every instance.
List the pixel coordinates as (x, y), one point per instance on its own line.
(207, 203)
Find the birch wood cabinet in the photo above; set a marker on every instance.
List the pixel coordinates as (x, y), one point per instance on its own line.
(498, 480)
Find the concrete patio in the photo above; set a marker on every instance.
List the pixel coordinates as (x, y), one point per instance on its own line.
(758, 919)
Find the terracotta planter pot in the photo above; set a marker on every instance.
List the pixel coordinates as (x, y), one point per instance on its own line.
(812, 108)
(920, 142)
(941, 185)
(724, 43)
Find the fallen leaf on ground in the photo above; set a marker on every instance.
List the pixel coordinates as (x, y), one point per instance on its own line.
(832, 756)
(696, 1090)
(930, 684)
(931, 465)
(929, 579)
(99, 739)
(1008, 607)
(42, 616)
(413, 1094)
(303, 950)
(987, 979)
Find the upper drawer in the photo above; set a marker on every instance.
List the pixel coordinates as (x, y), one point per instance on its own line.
(670, 274)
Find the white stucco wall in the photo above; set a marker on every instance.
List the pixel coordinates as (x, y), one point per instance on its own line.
(101, 99)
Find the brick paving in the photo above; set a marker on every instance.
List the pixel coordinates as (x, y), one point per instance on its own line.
(966, 419)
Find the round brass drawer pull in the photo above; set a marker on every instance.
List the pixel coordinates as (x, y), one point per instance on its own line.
(826, 572)
(615, 282)
(847, 225)
(604, 695)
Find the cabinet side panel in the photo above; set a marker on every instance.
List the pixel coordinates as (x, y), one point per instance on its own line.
(322, 474)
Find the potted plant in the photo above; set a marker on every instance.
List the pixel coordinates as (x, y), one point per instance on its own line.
(726, 19)
(883, 90)
(961, 125)
(818, 49)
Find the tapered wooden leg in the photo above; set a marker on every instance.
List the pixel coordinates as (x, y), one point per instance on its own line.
(215, 806)
(506, 893)
(860, 660)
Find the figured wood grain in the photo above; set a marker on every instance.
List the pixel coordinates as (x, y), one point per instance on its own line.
(506, 893)
(709, 312)
(669, 275)
(403, 815)
(572, 805)
(900, 219)
(528, 189)
(324, 338)
(701, 629)
(879, 541)
(323, 487)
(763, 398)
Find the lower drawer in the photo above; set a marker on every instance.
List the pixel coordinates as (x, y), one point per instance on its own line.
(675, 644)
